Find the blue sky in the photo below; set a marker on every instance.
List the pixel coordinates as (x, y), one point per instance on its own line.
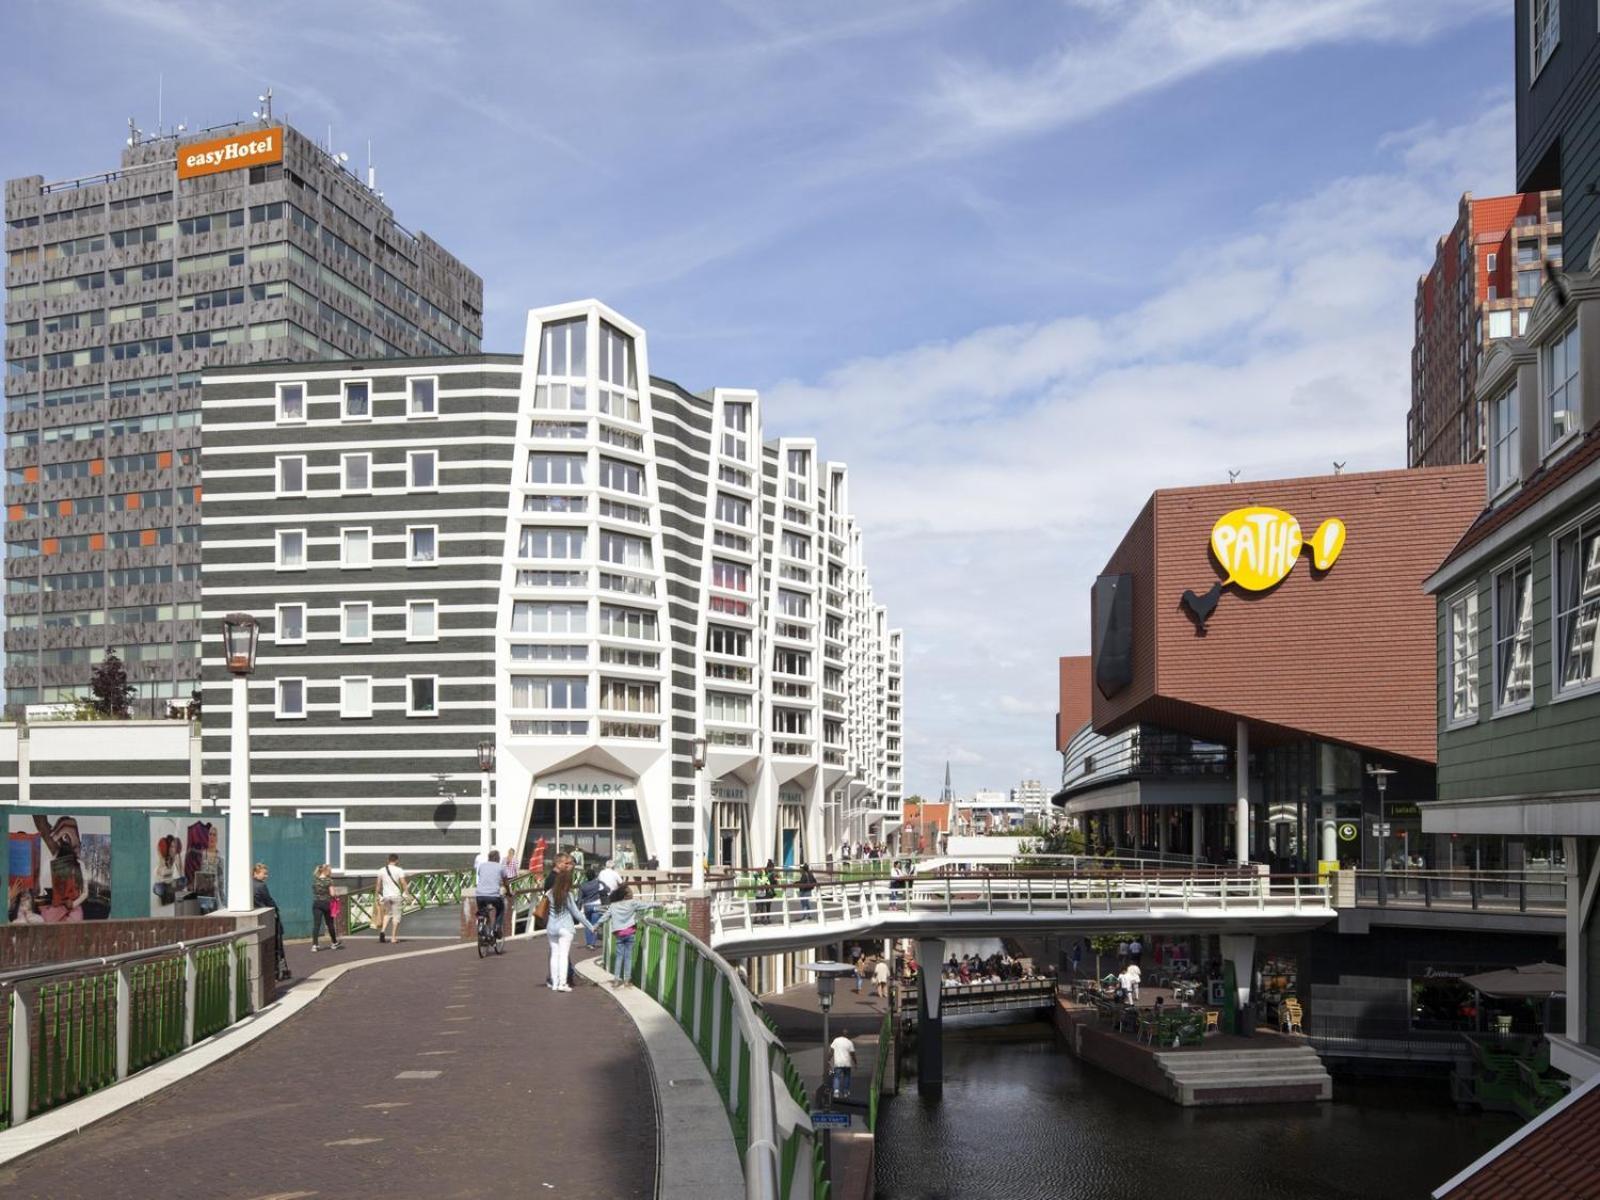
(1017, 263)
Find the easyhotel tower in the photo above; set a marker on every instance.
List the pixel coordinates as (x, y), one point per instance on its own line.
(241, 244)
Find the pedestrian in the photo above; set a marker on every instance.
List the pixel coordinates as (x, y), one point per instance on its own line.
(564, 917)
(1135, 949)
(623, 917)
(394, 885)
(861, 970)
(1122, 952)
(1134, 975)
(611, 879)
(322, 907)
(880, 978)
(589, 893)
(766, 889)
(844, 1061)
(1077, 957)
(807, 885)
(261, 897)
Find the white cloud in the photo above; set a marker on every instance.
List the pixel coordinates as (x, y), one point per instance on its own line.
(996, 471)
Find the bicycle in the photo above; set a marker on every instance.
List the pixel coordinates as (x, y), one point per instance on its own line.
(490, 936)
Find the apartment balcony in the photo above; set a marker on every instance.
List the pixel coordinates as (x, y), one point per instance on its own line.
(791, 746)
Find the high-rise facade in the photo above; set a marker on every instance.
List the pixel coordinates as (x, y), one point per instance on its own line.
(558, 554)
(1486, 272)
(246, 243)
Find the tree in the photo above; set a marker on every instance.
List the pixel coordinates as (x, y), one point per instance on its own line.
(110, 693)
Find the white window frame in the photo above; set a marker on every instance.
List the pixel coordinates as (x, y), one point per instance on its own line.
(412, 561)
(277, 626)
(415, 712)
(1553, 18)
(344, 477)
(344, 622)
(327, 855)
(1511, 402)
(1509, 567)
(346, 712)
(412, 412)
(1558, 689)
(344, 400)
(344, 545)
(412, 458)
(277, 698)
(1490, 263)
(277, 475)
(1572, 390)
(305, 395)
(277, 550)
(1468, 595)
(411, 631)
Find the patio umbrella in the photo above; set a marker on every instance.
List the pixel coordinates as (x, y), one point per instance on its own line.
(1536, 981)
(536, 859)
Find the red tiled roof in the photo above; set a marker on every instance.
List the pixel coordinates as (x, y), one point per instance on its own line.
(1538, 485)
(1554, 1158)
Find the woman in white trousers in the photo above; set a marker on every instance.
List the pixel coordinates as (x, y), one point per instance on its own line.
(563, 921)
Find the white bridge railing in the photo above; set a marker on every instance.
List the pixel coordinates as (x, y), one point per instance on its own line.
(874, 902)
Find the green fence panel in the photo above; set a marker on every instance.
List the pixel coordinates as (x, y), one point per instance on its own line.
(76, 1040)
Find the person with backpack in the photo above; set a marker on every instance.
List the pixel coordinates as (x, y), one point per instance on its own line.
(623, 917)
(393, 888)
(591, 893)
(807, 885)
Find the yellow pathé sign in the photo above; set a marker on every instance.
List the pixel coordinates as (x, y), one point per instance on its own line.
(1258, 547)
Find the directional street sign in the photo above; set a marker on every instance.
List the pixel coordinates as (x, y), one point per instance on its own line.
(1380, 829)
(839, 1119)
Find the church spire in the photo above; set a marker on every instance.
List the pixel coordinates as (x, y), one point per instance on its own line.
(947, 796)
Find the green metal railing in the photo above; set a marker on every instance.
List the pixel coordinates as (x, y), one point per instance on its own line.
(74, 1028)
(758, 1084)
(425, 889)
(885, 1053)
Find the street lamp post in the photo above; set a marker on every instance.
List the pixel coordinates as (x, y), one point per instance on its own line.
(1381, 776)
(697, 845)
(827, 972)
(486, 787)
(239, 634)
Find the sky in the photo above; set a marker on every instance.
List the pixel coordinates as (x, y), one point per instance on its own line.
(1018, 264)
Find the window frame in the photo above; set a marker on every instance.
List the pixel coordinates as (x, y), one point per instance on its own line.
(411, 398)
(1465, 595)
(411, 605)
(345, 713)
(277, 394)
(411, 559)
(344, 541)
(278, 490)
(1510, 398)
(344, 400)
(277, 698)
(1572, 390)
(1511, 566)
(277, 550)
(1560, 690)
(327, 854)
(412, 458)
(1537, 64)
(344, 623)
(277, 623)
(344, 479)
(411, 710)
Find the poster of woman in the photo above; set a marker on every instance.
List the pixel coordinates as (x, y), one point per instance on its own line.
(64, 864)
(186, 866)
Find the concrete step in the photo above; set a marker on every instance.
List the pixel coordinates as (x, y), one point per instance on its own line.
(1262, 1059)
(1229, 1078)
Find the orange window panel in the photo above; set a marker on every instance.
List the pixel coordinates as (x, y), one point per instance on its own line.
(64, 508)
(197, 495)
(30, 474)
(97, 541)
(50, 546)
(164, 459)
(133, 499)
(147, 537)
(14, 512)
(97, 466)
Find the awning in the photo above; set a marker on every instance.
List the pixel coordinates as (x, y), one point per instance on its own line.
(1535, 981)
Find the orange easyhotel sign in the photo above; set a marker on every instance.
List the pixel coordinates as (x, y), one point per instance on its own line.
(230, 153)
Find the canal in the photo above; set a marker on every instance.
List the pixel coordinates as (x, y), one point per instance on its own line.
(1021, 1118)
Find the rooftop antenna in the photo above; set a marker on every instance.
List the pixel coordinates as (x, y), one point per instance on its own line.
(372, 171)
(134, 133)
(161, 90)
(1233, 476)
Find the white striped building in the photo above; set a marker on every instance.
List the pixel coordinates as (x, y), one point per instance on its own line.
(563, 554)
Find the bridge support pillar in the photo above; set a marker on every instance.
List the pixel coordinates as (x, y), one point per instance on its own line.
(1239, 950)
(1241, 813)
(930, 1026)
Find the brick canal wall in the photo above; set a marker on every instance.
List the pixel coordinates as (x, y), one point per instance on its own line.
(1111, 1052)
(33, 945)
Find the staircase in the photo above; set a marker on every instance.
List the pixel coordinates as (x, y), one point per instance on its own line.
(1203, 1076)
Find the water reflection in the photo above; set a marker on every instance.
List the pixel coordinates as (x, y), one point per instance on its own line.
(1021, 1118)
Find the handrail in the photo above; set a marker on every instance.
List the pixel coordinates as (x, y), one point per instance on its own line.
(750, 1066)
(20, 974)
(880, 1068)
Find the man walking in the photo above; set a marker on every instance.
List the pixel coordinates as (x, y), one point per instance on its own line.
(393, 887)
(844, 1061)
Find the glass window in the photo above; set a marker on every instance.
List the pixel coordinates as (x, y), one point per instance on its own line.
(624, 550)
(355, 547)
(1561, 386)
(422, 396)
(541, 616)
(356, 470)
(1578, 604)
(561, 469)
(732, 576)
(423, 469)
(1513, 636)
(562, 349)
(1463, 679)
(1528, 282)
(291, 628)
(541, 542)
(355, 696)
(355, 621)
(291, 699)
(732, 510)
(1545, 16)
(617, 621)
(622, 477)
(357, 400)
(1500, 323)
(292, 475)
(549, 691)
(422, 695)
(1504, 468)
(422, 544)
(291, 549)
(422, 620)
(736, 431)
(616, 356)
(291, 402)
(1527, 251)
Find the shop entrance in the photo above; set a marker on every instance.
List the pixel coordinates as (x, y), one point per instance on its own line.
(604, 826)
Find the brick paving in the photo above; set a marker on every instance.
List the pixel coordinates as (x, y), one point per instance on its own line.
(441, 1076)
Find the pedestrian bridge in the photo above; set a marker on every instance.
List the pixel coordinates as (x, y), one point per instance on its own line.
(992, 905)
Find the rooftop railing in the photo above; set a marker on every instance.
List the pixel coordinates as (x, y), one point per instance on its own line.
(1541, 892)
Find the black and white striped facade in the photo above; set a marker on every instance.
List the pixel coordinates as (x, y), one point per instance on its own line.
(538, 551)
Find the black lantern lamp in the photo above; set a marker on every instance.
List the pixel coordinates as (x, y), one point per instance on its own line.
(239, 632)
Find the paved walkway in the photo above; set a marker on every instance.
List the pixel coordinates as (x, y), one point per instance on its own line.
(440, 1075)
(799, 1022)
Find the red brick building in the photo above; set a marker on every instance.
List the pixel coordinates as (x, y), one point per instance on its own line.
(1486, 273)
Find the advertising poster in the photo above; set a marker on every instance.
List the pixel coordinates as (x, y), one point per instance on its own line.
(186, 866)
(59, 869)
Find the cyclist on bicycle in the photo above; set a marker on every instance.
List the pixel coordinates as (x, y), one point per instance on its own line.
(491, 876)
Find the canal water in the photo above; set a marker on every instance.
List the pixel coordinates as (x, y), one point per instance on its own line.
(1021, 1118)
